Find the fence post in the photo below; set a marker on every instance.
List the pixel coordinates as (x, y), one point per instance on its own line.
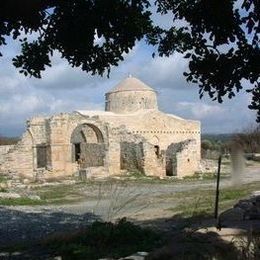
(217, 188)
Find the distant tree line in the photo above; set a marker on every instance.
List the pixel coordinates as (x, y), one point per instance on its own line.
(8, 140)
(248, 140)
(211, 148)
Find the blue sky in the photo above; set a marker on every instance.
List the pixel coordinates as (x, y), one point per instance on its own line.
(65, 89)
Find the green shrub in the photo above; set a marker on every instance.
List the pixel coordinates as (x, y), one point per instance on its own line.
(3, 189)
(105, 239)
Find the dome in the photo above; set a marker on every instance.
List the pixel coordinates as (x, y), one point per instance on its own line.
(130, 84)
(130, 95)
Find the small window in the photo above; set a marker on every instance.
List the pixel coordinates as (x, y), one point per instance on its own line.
(157, 150)
(41, 153)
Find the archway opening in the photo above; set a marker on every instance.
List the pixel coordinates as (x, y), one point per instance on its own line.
(88, 148)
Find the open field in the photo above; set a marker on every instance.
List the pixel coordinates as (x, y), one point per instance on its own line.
(71, 206)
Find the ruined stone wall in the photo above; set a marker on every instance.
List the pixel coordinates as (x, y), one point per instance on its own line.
(187, 159)
(136, 153)
(18, 162)
(168, 133)
(38, 127)
(114, 159)
(158, 128)
(4, 150)
(92, 155)
(153, 164)
(181, 158)
(131, 156)
(61, 143)
(127, 142)
(21, 160)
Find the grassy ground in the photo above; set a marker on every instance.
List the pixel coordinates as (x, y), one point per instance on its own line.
(70, 193)
(2, 179)
(205, 176)
(201, 202)
(60, 194)
(124, 238)
(105, 239)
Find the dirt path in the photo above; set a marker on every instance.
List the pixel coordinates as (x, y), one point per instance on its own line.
(140, 201)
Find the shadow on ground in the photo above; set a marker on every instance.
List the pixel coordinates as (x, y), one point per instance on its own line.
(180, 237)
(197, 237)
(18, 226)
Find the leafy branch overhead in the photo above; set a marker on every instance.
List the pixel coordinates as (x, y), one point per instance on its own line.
(221, 41)
(71, 27)
(219, 38)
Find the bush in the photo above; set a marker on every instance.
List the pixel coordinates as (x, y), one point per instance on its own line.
(206, 144)
(105, 239)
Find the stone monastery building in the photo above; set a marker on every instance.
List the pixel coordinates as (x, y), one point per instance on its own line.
(131, 134)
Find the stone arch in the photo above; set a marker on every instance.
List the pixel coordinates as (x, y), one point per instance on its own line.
(88, 148)
(88, 133)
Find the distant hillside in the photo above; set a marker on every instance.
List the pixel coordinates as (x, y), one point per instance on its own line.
(217, 137)
(8, 140)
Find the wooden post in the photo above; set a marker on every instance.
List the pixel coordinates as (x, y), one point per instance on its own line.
(217, 188)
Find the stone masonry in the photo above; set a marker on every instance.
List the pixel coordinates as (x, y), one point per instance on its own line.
(131, 134)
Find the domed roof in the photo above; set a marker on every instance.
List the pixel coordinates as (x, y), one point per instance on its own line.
(129, 96)
(131, 84)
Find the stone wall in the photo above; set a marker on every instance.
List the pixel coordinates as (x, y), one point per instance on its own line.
(19, 161)
(130, 101)
(171, 157)
(149, 142)
(156, 127)
(92, 155)
(154, 163)
(4, 150)
(181, 159)
(68, 129)
(38, 127)
(131, 156)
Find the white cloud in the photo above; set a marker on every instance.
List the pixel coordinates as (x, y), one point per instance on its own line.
(63, 88)
(165, 72)
(201, 110)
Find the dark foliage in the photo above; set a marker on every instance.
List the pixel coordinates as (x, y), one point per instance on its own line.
(220, 38)
(105, 239)
(8, 140)
(70, 27)
(248, 140)
(221, 41)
